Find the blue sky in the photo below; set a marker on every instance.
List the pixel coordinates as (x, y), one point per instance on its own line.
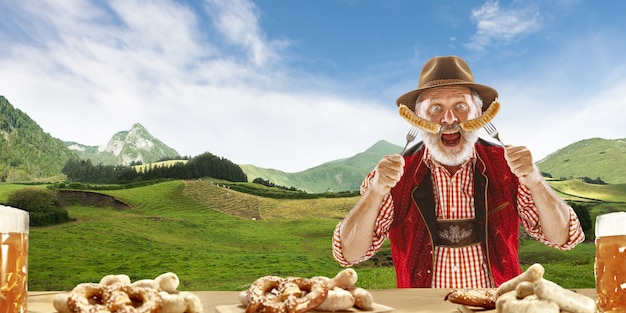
(292, 84)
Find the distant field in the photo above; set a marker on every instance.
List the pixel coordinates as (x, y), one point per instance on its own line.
(168, 163)
(608, 193)
(206, 235)
(6, 189)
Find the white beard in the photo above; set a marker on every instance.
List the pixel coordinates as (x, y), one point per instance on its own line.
(452, 156)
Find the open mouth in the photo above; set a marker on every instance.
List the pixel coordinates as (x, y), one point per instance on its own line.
(451, 140)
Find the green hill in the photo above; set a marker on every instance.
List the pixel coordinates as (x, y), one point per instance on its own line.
(590, 158)
(27, 153)
(339, 175)
(199, 230)
(211, 237)
(593, 158)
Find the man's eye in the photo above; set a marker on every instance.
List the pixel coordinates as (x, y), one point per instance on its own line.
(462, 106)
(435, 109)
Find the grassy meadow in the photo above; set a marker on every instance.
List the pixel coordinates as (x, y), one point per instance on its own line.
(209, 236)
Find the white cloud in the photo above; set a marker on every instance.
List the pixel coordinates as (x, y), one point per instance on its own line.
(89, 71)
(238, 22)
(210, 79)
(495, 25)
(545, 122)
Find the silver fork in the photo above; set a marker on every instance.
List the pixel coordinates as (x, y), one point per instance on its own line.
(410, 136)
(493, 132)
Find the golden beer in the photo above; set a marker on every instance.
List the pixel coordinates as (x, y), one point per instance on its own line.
(13, 260)
(13, 278)
(611, 273)
(610, 262)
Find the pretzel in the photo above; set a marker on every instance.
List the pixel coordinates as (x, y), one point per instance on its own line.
(122, 298)
(417, 121)
(87, 297)
(479, 297)
(483, 119)
(116, 293)
(273, 294)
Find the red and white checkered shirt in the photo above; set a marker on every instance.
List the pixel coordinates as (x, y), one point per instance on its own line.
(463, 267)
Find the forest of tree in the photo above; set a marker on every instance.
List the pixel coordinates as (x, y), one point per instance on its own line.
(204, 165)
(26, 151)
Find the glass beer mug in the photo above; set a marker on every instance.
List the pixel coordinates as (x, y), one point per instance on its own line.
(13, 260)
(610, 262)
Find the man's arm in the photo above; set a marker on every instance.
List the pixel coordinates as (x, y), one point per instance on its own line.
(552, 210)
(357, 228)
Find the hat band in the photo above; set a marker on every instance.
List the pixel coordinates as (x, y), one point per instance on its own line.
(444, 82)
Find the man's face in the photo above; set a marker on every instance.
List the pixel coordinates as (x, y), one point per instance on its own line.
(448, 107)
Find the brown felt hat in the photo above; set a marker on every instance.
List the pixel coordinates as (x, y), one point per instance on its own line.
(443, 71)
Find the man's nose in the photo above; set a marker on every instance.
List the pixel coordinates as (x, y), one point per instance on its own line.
(449, 117)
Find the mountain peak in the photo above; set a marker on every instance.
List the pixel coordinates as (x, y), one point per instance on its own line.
(125, 147)
(138, 126)
(382, 145)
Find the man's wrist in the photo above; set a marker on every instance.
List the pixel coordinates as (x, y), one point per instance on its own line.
(378, 192)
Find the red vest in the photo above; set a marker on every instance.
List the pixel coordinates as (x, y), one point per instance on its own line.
(495, 201)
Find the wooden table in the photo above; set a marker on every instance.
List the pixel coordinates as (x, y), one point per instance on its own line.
(422, 300)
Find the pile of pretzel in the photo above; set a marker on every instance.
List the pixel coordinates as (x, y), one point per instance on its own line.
(273, 294)
(117, 294)
(528, 292)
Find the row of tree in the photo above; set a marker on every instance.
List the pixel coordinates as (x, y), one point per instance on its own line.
(26, 151)
(588, 180)
(204, 165)
(268, 183)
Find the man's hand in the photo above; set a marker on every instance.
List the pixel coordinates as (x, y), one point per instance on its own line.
(554, 213)
(520, 162)
(388, 172)
(357, 228)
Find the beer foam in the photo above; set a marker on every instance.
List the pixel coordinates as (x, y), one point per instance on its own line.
(611, 224)
(13, 220)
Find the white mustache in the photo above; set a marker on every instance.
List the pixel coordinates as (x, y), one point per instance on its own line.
(451, 128)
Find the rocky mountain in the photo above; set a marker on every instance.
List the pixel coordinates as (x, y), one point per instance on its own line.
(136, 145)
(27, 153)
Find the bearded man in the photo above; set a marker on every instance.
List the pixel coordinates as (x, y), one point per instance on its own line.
(452, 205)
